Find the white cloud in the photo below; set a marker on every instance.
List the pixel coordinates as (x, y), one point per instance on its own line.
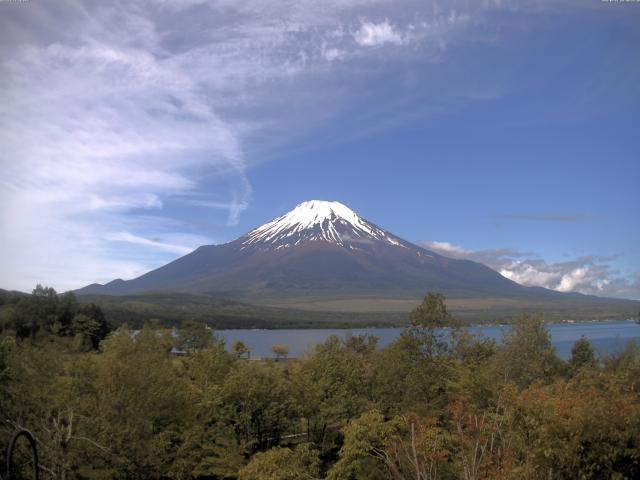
(526, 274)
(588, 274)
(332, 54)
(375, 34)
(573, 279)
(91, 131)
(446, 248)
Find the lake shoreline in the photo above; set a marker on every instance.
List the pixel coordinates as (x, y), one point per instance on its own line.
(348, 326)
(606, 336)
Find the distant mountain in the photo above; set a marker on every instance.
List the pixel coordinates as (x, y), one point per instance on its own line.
(322, 250)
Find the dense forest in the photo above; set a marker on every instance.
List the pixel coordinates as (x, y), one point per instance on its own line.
(164, 404)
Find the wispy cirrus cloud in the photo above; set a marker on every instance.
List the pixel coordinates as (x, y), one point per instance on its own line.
(128, 237)
(91, 132)
(587, 274)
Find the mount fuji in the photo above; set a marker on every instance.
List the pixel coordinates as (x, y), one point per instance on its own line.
(321, 250)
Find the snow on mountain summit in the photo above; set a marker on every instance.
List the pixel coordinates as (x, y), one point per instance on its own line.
(317, 220)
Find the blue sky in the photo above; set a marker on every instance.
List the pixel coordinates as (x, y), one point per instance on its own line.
(504, 132)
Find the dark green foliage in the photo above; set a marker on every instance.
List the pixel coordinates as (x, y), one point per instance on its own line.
(89, 329)
(45, 312)
(361, 344)
(193, 336)
(331, 386)
(241, 349)
(258, 403)
(582, 355)
(39, 311)
(414, 373)
(431, 313)
(527, 354)
(426, 407)
(302, 463)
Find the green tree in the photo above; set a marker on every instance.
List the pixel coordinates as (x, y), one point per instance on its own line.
(621, 361)
(364, 345)
(406, 447)
(88, 332)
(417, 369)
(141, 403)
(477, 381)
(207, 449)
(6, 315)
(625, 366)
(527, 353)
(362, 454)
(331, 387)
(416, 372)
(44, 312)
(241, 349)
(427, 325)
(257, 400)
(208, 446)
(301, 463)
(207, 371)
(67, 309)
(193, 336)
(48, 393)
(582, 355)
(431, 313)
(36, 312)
(102, 328)
(587, 428)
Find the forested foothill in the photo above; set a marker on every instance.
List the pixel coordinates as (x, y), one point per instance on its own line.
(432, 405)
(44, 313)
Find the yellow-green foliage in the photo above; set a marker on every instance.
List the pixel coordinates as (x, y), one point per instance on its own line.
(279, 463)
(422, 408)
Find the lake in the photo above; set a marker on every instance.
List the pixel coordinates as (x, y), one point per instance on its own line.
(606, 337)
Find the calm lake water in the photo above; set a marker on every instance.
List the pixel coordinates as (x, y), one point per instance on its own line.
(606, 337)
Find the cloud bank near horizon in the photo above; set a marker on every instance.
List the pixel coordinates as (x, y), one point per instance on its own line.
(591, 275)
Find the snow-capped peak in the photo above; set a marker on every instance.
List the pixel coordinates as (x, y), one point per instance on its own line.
(317, 220)
(315, 212)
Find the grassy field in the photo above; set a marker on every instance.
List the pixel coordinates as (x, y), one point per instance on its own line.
(172, 308)
(478, 310)
(460, 305)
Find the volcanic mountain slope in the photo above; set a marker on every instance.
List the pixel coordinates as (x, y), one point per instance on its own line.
(321, 250)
